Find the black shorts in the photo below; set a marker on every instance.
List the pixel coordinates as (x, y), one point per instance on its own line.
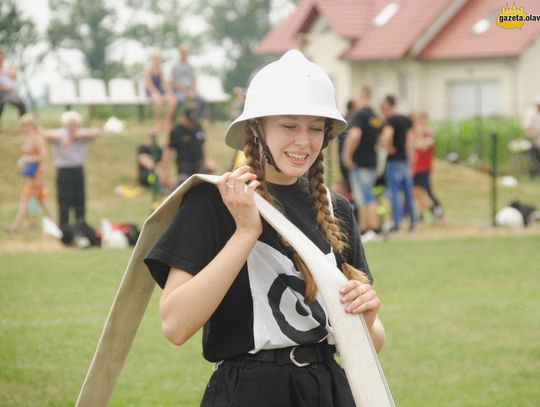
(254, 383)
(421, 179)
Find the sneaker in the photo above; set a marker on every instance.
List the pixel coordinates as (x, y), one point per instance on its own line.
(371, 236)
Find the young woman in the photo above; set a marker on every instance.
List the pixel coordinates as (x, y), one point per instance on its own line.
(32, 165)
(155, 89)
(223, 268)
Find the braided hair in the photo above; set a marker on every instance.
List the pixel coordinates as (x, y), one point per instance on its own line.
(256, 154)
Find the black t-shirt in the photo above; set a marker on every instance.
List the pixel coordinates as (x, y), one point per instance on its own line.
(156, 156)
(366, 120)
(401, 126)
(188, 142)
(264, 308)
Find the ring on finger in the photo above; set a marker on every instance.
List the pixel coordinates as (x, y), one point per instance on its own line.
(232, 186)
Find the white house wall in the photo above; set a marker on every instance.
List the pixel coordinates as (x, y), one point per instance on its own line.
(439, 75)
(528, 77)
(383, 78)
(326, 47)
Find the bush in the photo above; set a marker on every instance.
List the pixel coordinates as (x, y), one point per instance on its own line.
(471, 139)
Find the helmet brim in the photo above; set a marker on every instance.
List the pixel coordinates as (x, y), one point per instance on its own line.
(234, 137)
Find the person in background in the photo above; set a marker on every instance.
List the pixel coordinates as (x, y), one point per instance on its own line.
(69, 145)
(32, 163)
(155, 89)
(149, 156)
(532, 131)
(360, 159)
(396, 138)
(223, 268)
(423, 141)
(184, 83)
(187, 142)
(8, 86)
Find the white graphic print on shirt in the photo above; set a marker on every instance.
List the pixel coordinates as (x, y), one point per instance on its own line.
(281, 317)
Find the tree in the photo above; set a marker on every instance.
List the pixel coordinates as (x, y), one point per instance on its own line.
(159, 23)
(87, 26)
(17, 35)
(237, 26)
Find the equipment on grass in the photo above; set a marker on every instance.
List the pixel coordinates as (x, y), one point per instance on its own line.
(358, 355)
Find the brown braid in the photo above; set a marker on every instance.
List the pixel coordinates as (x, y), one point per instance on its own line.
(254, 157)
(324, 216)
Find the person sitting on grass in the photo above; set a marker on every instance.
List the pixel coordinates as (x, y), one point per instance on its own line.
(32, 162)
(187, 142)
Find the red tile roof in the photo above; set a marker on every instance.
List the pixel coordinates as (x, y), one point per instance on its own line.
(352, 19)
(457, 39)
(284, 36)
(394, 39)
(348, 18)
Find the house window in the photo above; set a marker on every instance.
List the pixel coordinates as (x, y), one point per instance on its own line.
(403, 85)
(471, 99)
(386, 14)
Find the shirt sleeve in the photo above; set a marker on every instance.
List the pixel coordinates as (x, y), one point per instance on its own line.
(354, 252)
(198, 231)
(356, 120)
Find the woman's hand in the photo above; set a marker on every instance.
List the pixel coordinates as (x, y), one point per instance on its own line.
(360, 298)
(239, 199)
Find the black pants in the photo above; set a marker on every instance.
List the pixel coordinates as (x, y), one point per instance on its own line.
(70, 193)
(534, 169)
(423, 180)
(252, 383)
(17, 102)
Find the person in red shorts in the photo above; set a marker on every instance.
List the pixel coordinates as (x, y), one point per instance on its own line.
(422, 165)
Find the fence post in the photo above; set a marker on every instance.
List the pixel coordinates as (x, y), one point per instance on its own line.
(493, 203)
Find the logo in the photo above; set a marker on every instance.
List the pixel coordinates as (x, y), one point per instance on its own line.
(514, 17)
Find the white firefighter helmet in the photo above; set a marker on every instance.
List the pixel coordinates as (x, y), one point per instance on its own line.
(292, 85)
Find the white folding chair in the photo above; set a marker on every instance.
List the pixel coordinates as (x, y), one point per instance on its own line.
(63, 92)
(211, 89)
(92, 92)
(122, 92)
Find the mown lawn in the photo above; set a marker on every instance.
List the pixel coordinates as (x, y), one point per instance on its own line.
(461, 317)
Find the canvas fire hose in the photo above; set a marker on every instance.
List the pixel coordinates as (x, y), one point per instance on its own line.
(358, 356)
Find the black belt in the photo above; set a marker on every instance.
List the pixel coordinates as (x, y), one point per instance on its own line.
(301, 355)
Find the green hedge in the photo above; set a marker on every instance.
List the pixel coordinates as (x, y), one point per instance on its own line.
(471, 139)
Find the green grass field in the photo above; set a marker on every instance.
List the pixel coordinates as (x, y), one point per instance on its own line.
(461, 312)
(462, 325)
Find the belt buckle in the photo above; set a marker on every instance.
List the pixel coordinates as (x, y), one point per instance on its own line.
(295, 362)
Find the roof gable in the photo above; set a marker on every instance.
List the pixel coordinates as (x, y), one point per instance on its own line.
(457, 39)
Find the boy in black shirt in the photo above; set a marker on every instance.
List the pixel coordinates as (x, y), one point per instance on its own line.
(396, 138)
(186, 139)
(360, 158)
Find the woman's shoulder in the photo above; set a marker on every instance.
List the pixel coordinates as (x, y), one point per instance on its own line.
(205, 192)
(342, 206)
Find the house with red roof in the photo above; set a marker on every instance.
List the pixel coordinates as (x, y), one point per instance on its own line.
(448, 57)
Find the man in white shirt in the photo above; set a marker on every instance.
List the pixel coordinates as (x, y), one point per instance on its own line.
(184, 83)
